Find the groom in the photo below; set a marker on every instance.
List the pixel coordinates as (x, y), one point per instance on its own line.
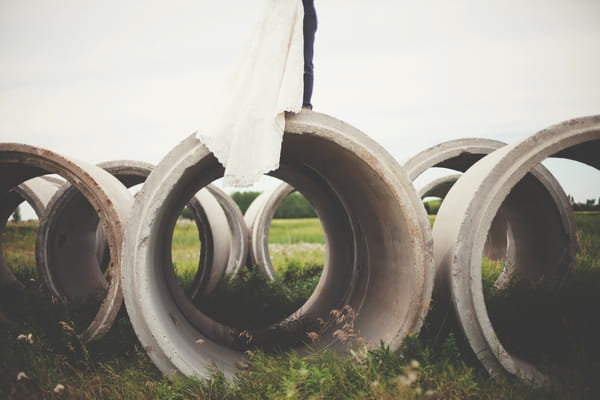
(310, 27)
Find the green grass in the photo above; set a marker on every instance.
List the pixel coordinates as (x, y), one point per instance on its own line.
(553, 322)
(290, 231)
(185, 251)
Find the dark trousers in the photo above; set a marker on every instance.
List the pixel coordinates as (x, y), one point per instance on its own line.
(310, 28)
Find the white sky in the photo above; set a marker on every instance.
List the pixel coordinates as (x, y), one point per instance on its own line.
(105, 80)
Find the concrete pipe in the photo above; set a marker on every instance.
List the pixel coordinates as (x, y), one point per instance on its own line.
(496, 245)
(238, 250)
(539, 189)
(36, 192)
(258, 218)
(68, 208)
(438, 187)
(379, 261)
(467, 213)
(107, 196)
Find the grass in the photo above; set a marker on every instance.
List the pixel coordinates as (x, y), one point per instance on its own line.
(291, 231)
(553, 322)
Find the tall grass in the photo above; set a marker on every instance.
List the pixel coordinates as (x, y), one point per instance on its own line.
(553, 323)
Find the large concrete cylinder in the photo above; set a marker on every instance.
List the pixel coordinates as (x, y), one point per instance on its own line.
(538, 192)
(467, 214)
(68, 209)
(105, 194)
(379, 261)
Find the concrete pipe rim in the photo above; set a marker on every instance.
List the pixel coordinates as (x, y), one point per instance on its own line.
(494, 176)
(207, 215)
(173, 342)
(460, 155)
(259, 223)
(36, 192)
(102, 190)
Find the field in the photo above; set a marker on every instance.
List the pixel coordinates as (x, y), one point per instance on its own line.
(554, 323)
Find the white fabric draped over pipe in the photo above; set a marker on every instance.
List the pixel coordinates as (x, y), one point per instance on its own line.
(247, 130)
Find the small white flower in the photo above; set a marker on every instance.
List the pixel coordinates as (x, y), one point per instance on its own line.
(22, 375)
(25, 338)
(415, 364)
(412, 377)
(59, 388)
(303, 371)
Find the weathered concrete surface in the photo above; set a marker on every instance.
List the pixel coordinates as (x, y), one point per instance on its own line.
(69, 211)
(37, 193)
(379, 261)
(110, 199)
(466, 216)
(438, 187)
(238, 249)
(537, 197)
(258, 218)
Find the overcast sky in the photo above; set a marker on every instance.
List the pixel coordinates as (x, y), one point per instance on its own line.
(124, 79)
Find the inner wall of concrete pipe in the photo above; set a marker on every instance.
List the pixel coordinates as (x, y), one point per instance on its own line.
(19, 163)
(379, 261)
(76, 268)
(538, 196)
(468, 211)
(36, 192)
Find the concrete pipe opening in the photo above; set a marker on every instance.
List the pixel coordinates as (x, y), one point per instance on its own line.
(467, 213)
(68, 277)
(538, 195)
(271, 258)
(379, 263)
(108, 196)
(13, 278)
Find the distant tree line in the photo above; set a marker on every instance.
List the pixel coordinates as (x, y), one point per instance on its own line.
(589, 205)
(293, 206)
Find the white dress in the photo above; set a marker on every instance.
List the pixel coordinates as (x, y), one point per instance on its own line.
(246, 133)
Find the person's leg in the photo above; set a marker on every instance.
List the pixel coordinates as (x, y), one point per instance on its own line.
(310, 27)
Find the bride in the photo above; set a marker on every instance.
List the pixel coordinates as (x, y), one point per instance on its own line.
(246, 132)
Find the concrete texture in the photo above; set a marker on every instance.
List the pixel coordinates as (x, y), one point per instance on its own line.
(438, 187)
(69, 211)
(537, 196)
(379, 261)
(238, 249)
(258, 218)
(466, 216)
(107, 196)
(36, 192)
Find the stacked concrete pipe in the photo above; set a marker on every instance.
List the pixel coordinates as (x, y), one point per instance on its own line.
(106, 195)
(379, 261)
(37, 193)
(466, 216)
(538, 195)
